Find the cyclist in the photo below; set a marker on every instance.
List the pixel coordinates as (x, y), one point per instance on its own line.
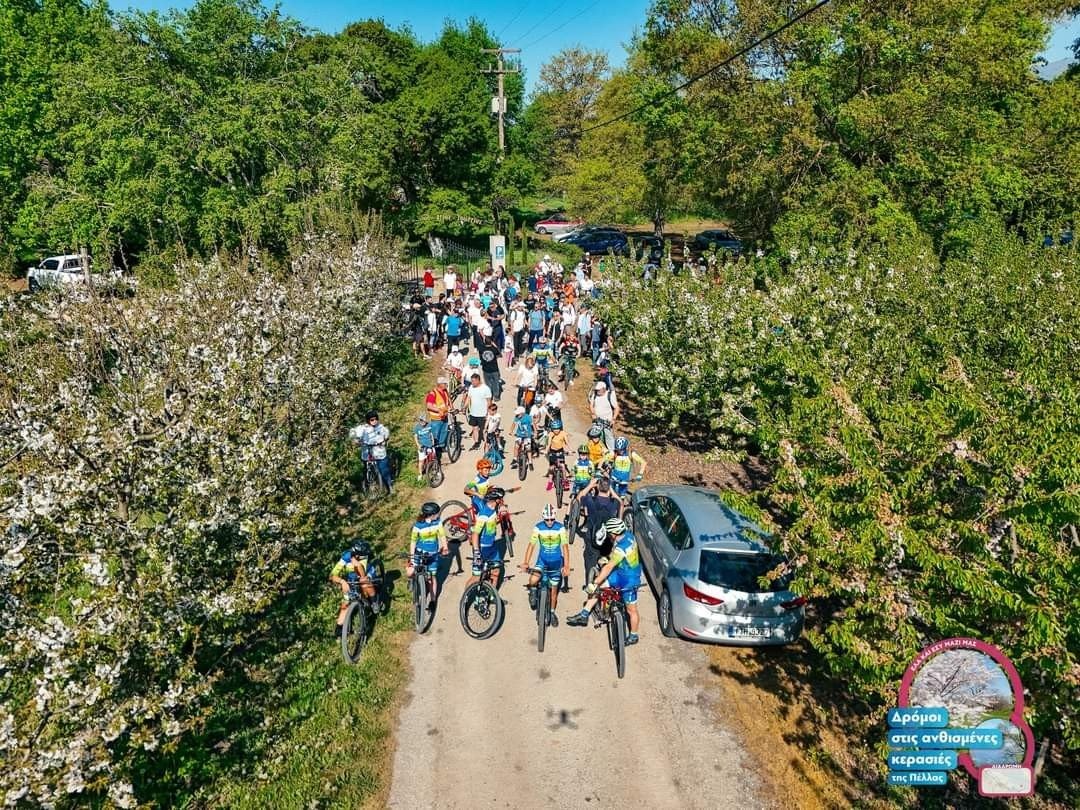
(595, 445)
(372, 438)
(484, 535)
(524, 430)
(492, 429)
(570, 347)
(424, 437)
(428, 539)
(542, 352)
(622, 462)
(354, 565)
(478, 487)
(583, 471)
(556, 450)
(552, 555)
(622, 572)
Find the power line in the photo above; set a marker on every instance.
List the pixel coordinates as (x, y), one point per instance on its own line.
(565, 23)
(513, 20)
(698, 77)
(542, 20)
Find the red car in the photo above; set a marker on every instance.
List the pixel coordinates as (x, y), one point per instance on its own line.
(558, 223)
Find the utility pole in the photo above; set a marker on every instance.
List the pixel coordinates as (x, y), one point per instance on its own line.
(500, 100)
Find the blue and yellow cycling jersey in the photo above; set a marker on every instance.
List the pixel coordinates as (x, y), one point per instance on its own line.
(550, 540)
(523, 427)
(625, 554)
(583, 472)
(622, 464)
(487, 524)
(350, 567)
(428, 536)
(481, 484)
(542, 355)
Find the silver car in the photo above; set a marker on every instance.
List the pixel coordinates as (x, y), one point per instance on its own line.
(705, 560)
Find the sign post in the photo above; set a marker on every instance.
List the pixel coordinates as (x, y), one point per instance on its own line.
(497, 250)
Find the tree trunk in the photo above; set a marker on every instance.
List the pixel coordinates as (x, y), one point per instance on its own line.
(658, 223)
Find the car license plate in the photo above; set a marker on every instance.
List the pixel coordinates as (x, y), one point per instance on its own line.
(747, 631)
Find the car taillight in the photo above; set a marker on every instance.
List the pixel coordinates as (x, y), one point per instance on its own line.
(798, 601)
(698, 596)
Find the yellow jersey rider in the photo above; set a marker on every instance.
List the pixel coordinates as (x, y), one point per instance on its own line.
(622, 572)
(552, 552)
(427, 542)
(354, 566)
(622, 462)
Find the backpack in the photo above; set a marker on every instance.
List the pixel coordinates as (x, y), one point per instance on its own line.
(592, 398)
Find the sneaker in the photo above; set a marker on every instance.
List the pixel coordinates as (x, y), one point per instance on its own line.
(553, 620)
(632, 638)
(513, 464)
(534, 598)
(578, 619)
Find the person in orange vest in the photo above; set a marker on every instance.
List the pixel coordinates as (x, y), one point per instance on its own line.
(437, 404)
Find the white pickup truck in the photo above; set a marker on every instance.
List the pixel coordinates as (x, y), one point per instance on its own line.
(63, 270)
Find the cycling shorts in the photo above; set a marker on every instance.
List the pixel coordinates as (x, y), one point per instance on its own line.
(552, 566)
(492, 553)
(626, 585)
(620, 488)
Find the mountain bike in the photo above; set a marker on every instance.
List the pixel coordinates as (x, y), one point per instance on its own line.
(568, 365)
(422, 588)
(458, 519)
(543, 603)
(521, 457)
(611, 611)
(481, 609)
(432, 469)
(374, 485)
(559, 477)
(453, 436)
(495, 452)
(361, 613)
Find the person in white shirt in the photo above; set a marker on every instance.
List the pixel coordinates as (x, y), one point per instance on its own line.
(586, 286)
(553, 400)
(605, 407)
(372, 438)
(476, 400)
(584, 328)
(449, 281)
(527, 376)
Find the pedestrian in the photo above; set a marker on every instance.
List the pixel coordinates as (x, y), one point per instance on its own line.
(536, 324)
(476, 401)
(452, 325)
(429, 282)
(584, 327)
(437, 404)
(527, 377)
(600, 504)
(450, 280)
(489, 362)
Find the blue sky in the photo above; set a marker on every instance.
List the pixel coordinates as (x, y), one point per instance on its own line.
(541, 28)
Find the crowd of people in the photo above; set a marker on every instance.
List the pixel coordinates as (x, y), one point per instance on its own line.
(489, 325)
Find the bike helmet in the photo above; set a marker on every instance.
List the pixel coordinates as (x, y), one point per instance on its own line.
(495, 494)
(583, 449)
(474, 362)
(429, 509)
(622, 444)
(548, 513)
(615, 526)
(484, 465)
(422, 418)
(371, 415)
(519, 411)
(361, 548)
(595, 432)
(556, 424)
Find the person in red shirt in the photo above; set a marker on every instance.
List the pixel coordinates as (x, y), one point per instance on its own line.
(429, 283)
(437, 404)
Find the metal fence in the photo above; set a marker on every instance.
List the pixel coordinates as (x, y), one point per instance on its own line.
(440, 254)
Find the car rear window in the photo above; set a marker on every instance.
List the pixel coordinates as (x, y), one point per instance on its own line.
(50, 264)
(740, 572)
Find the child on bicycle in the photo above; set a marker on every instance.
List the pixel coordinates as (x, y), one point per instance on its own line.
(492, 428)
(583, 471)
(428, 539)
(425, 443)
(556, 450)
(355, 566)
(524, 430)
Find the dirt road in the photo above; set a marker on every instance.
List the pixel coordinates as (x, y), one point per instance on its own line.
(496, 724)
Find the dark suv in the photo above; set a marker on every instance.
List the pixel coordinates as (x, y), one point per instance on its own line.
(722, 241)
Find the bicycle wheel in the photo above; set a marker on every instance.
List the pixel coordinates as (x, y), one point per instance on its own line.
(572, 520)
(618, 618)
(509, 536)
(453, 441)
(354, 631)
(380, 587)
(481, 610)
(435, 475)
(428, 593)
(418, 588)
(557, 481)
(522, 461)
(456, 520)
(541, 615)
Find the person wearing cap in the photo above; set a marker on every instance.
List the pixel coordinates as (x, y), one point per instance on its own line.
(622, 572)
(604, 407)
(437, 404)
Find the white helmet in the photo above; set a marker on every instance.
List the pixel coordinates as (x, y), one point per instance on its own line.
(548, 513)
(615, 527)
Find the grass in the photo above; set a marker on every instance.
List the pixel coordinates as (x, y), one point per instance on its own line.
(294, 726)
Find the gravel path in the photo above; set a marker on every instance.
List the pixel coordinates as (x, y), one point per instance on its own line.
(496, 724)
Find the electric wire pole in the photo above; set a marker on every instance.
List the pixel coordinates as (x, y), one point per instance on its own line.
(500, 100)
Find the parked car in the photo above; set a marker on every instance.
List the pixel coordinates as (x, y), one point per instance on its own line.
(720, 240)
(557, 223)
(704, 561)
(582, 231)
(64, 270)
(603, 241)
(1064, 238)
